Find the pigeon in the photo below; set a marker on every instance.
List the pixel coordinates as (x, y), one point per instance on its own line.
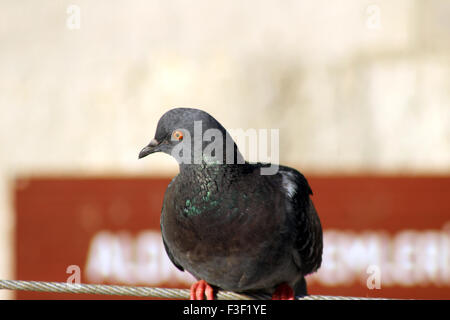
(225, 221)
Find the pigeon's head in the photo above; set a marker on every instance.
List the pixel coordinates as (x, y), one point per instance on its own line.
(191, 136)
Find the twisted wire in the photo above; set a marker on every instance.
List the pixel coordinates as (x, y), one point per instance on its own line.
(138, 291)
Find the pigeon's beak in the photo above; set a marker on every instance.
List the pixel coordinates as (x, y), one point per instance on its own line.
(149, 149)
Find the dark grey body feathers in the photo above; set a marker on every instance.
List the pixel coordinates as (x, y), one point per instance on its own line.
(232, 227)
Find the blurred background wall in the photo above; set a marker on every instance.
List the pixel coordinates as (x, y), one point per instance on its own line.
(355, 87)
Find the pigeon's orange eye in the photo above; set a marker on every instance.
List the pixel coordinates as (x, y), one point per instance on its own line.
(177, 135)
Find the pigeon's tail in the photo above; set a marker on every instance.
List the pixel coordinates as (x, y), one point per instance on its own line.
(300, 288)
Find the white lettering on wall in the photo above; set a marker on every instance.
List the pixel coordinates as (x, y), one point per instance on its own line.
(121, 258)
(407, 258)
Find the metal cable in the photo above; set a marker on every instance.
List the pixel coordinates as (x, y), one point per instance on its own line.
(151, 292)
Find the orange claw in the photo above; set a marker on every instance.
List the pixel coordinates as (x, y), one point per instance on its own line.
(283, 292)
(201, 288)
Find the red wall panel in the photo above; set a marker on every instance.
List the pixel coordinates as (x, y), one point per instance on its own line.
(109, 228)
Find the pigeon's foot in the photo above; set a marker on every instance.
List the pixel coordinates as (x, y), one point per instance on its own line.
(201, 288)
(283, 292)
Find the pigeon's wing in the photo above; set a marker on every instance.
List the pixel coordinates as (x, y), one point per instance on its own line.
(170, 256)
(308, 244)
(169, 253)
